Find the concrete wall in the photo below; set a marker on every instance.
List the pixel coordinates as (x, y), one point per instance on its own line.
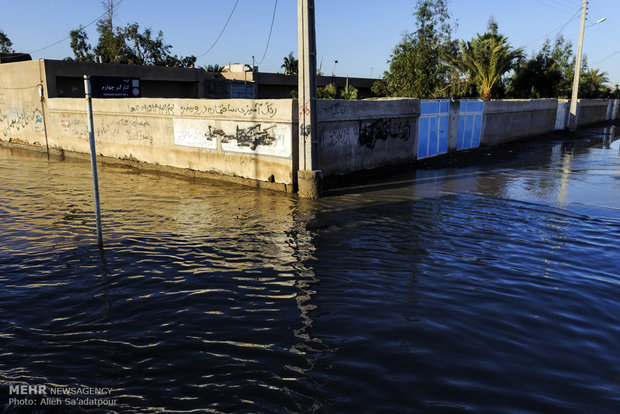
(592, 111)
(21, 110)
(256, 139)
(251, 139)
(362, 135)
(510, 119)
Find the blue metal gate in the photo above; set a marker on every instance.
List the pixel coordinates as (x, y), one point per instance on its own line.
(470, 124)
(433, 131)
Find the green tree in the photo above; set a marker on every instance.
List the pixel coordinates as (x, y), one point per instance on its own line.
(6, 46)
(143, 49)
(111, 45)
(547, 74)
(290, 65)
(487, 58)
(82, 51)
(214, 68)
(419, 65)
(128, 45)
(349, 93)
(330, 91)
(592, 84)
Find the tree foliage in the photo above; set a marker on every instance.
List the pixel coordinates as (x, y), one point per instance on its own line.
(419, 64)
(592, 84)
(547, 74)
(6, 46)
(330, 91)
(487, 59)
(214, 68)
(349, 93)
(428, 64)
(82, 51)
(290, 65)
(127, 45)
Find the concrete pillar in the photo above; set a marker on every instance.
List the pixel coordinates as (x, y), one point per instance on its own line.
(453, 122)
(308, 138)
(561, 115)
(310, 183)
(573, 117)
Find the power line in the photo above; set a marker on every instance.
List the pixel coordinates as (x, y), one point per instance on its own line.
(608, 33)
(222, 32)
(558, 29)
(65, 38)
(273, 18)
(566, 8)
(606, 57)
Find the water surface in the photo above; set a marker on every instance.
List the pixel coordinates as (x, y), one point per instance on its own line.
(490, 286)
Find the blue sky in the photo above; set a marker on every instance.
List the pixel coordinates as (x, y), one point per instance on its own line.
(359, 34)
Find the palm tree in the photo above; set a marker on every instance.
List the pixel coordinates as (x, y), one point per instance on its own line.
(214, 68)
(290, 65)
(486, 59)
(592, 85)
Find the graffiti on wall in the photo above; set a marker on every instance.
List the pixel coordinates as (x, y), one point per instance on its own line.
(382, 129)
(251, 137)
(332, 109)
(74, 125)
(20, 119)
(254, 138)
(339, 137)
(107, 128)
(155, 109)
(131, 129)
(244, 110)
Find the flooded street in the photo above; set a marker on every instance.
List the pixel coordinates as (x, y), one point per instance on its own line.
(487, 286)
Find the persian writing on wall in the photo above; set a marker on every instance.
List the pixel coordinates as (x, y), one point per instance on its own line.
(14, 120)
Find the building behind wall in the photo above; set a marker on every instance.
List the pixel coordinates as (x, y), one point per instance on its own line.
(279, 86)
(64, 79)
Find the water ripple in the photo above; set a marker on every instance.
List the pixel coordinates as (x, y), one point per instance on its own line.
(451, 291)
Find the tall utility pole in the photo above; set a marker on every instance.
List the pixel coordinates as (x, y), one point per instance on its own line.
(572, 117)
(309, 178)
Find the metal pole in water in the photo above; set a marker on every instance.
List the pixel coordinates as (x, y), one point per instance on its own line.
(93, 157)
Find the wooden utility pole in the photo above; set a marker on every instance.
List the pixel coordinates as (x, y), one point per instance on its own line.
(572, 117)
(309, 177)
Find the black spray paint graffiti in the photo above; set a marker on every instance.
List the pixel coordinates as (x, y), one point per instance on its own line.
(304, 130)
(383, 129)
(246, 137)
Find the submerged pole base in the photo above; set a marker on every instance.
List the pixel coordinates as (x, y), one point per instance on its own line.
(310, 183)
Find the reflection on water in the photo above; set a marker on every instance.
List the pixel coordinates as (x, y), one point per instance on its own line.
(486, 288)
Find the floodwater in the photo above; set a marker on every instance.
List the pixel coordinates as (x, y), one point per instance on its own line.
(489, 286)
